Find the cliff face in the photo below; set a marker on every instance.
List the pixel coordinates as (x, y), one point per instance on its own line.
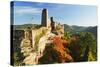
(32, 47)
(41, 45)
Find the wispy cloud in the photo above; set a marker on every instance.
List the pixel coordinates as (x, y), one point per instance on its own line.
(26, 10)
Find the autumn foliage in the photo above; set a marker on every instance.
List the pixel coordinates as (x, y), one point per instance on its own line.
(59, 47)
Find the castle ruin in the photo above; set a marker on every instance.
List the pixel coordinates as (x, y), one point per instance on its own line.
(44, 20)
(50, 23)
(28, 41)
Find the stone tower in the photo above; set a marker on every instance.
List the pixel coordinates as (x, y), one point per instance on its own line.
(52, 24)
(44, 21)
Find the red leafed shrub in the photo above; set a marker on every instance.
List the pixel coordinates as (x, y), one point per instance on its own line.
(58, 42)
(58, 46)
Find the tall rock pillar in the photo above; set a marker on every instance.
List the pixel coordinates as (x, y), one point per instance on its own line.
(52, 24)
(44, 21)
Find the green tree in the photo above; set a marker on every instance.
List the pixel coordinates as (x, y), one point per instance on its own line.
(84, 47)
(91, 42)
(67, 35)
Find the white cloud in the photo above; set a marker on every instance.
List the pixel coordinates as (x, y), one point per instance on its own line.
(26, 10)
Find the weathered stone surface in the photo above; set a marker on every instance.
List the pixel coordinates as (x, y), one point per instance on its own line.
(33, 45)
(44, 20)
(31, 59)
(25, 43)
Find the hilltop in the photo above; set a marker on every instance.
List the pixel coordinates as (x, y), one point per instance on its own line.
(52, 42)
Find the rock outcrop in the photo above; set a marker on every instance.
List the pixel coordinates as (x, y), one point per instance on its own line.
(34, 44)
(55, 52)
(33, 48)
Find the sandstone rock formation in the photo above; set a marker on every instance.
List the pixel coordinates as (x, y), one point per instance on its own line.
(37, 43)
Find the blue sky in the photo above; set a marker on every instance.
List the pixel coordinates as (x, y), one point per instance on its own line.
(30, 12)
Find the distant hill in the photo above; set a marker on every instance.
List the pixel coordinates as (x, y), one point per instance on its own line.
(24, 26)
(92, 30)
(78, 28)
(74, 29)
(68, 28)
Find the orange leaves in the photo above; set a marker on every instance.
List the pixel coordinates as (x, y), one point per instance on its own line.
(58, 42)
(59, 47)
